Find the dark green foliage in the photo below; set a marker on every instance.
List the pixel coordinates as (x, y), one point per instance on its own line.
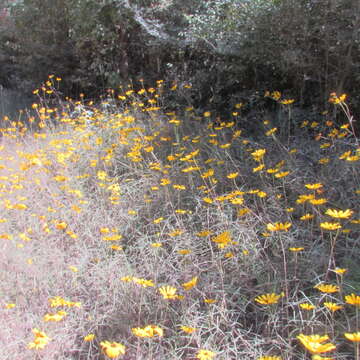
(224, 48)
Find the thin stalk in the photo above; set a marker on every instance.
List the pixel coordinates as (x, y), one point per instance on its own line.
(286, 285)
(331, 255)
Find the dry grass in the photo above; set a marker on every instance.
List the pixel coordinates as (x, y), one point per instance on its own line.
(94, 204)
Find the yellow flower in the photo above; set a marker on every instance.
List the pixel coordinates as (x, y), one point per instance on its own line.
(40, 341)
(187, 329)
(314, 124)
(345, 155)
(332, 306)
(208, 200)
(76, 208)
(318, 357)
(168, 292)
(205, 354)
(208, 173)
(353, 158)
(282, 174)
(190, 169)
(73, 268)
(324, 161)
(232, 175)
(353, 300)
(278, 226)
(258, 168)
(210, 301)
(184, 252)
(222, 239)
(101, 175)
(307, 306)
(258, 154)
(182, 211)
(156, 244)
(330, 226)
(307, 217)
(318, 201)
(61, 225)
(271, 131)
(276, 95)
(114, 237)
(268, 299)
(242, 212)
(229, 255)
(327, 288)
(179, 187)
(340, 271)
(164, 182)
(158, 220)
(60, 178)
(304, 197)
(176, 232)
(225, 146)
(55, 317)
(190, 284)
(296, 249)
(58, 301)
(314, 343)
(204, 233)
(143, 282)
(334, 99)
(89, 337)
(10, 306)
(148, 331)
(287, 101)
(339, 214)
(355, 337)
(261, 194)
(112, 349)
(20, 206)
(314, 186)
(304, 123)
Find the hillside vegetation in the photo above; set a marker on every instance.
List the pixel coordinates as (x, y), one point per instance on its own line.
(224, 48)
(132, 231)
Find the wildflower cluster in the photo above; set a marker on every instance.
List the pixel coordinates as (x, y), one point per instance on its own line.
(124, 213)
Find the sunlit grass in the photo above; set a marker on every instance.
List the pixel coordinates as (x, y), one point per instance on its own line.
(130, 231)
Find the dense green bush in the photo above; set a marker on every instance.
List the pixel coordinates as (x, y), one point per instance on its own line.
(222, 47)
(303, 45)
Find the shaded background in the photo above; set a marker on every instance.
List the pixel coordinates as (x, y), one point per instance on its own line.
(229, 50)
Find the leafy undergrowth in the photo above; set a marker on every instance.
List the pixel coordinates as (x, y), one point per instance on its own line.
(135, 233)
